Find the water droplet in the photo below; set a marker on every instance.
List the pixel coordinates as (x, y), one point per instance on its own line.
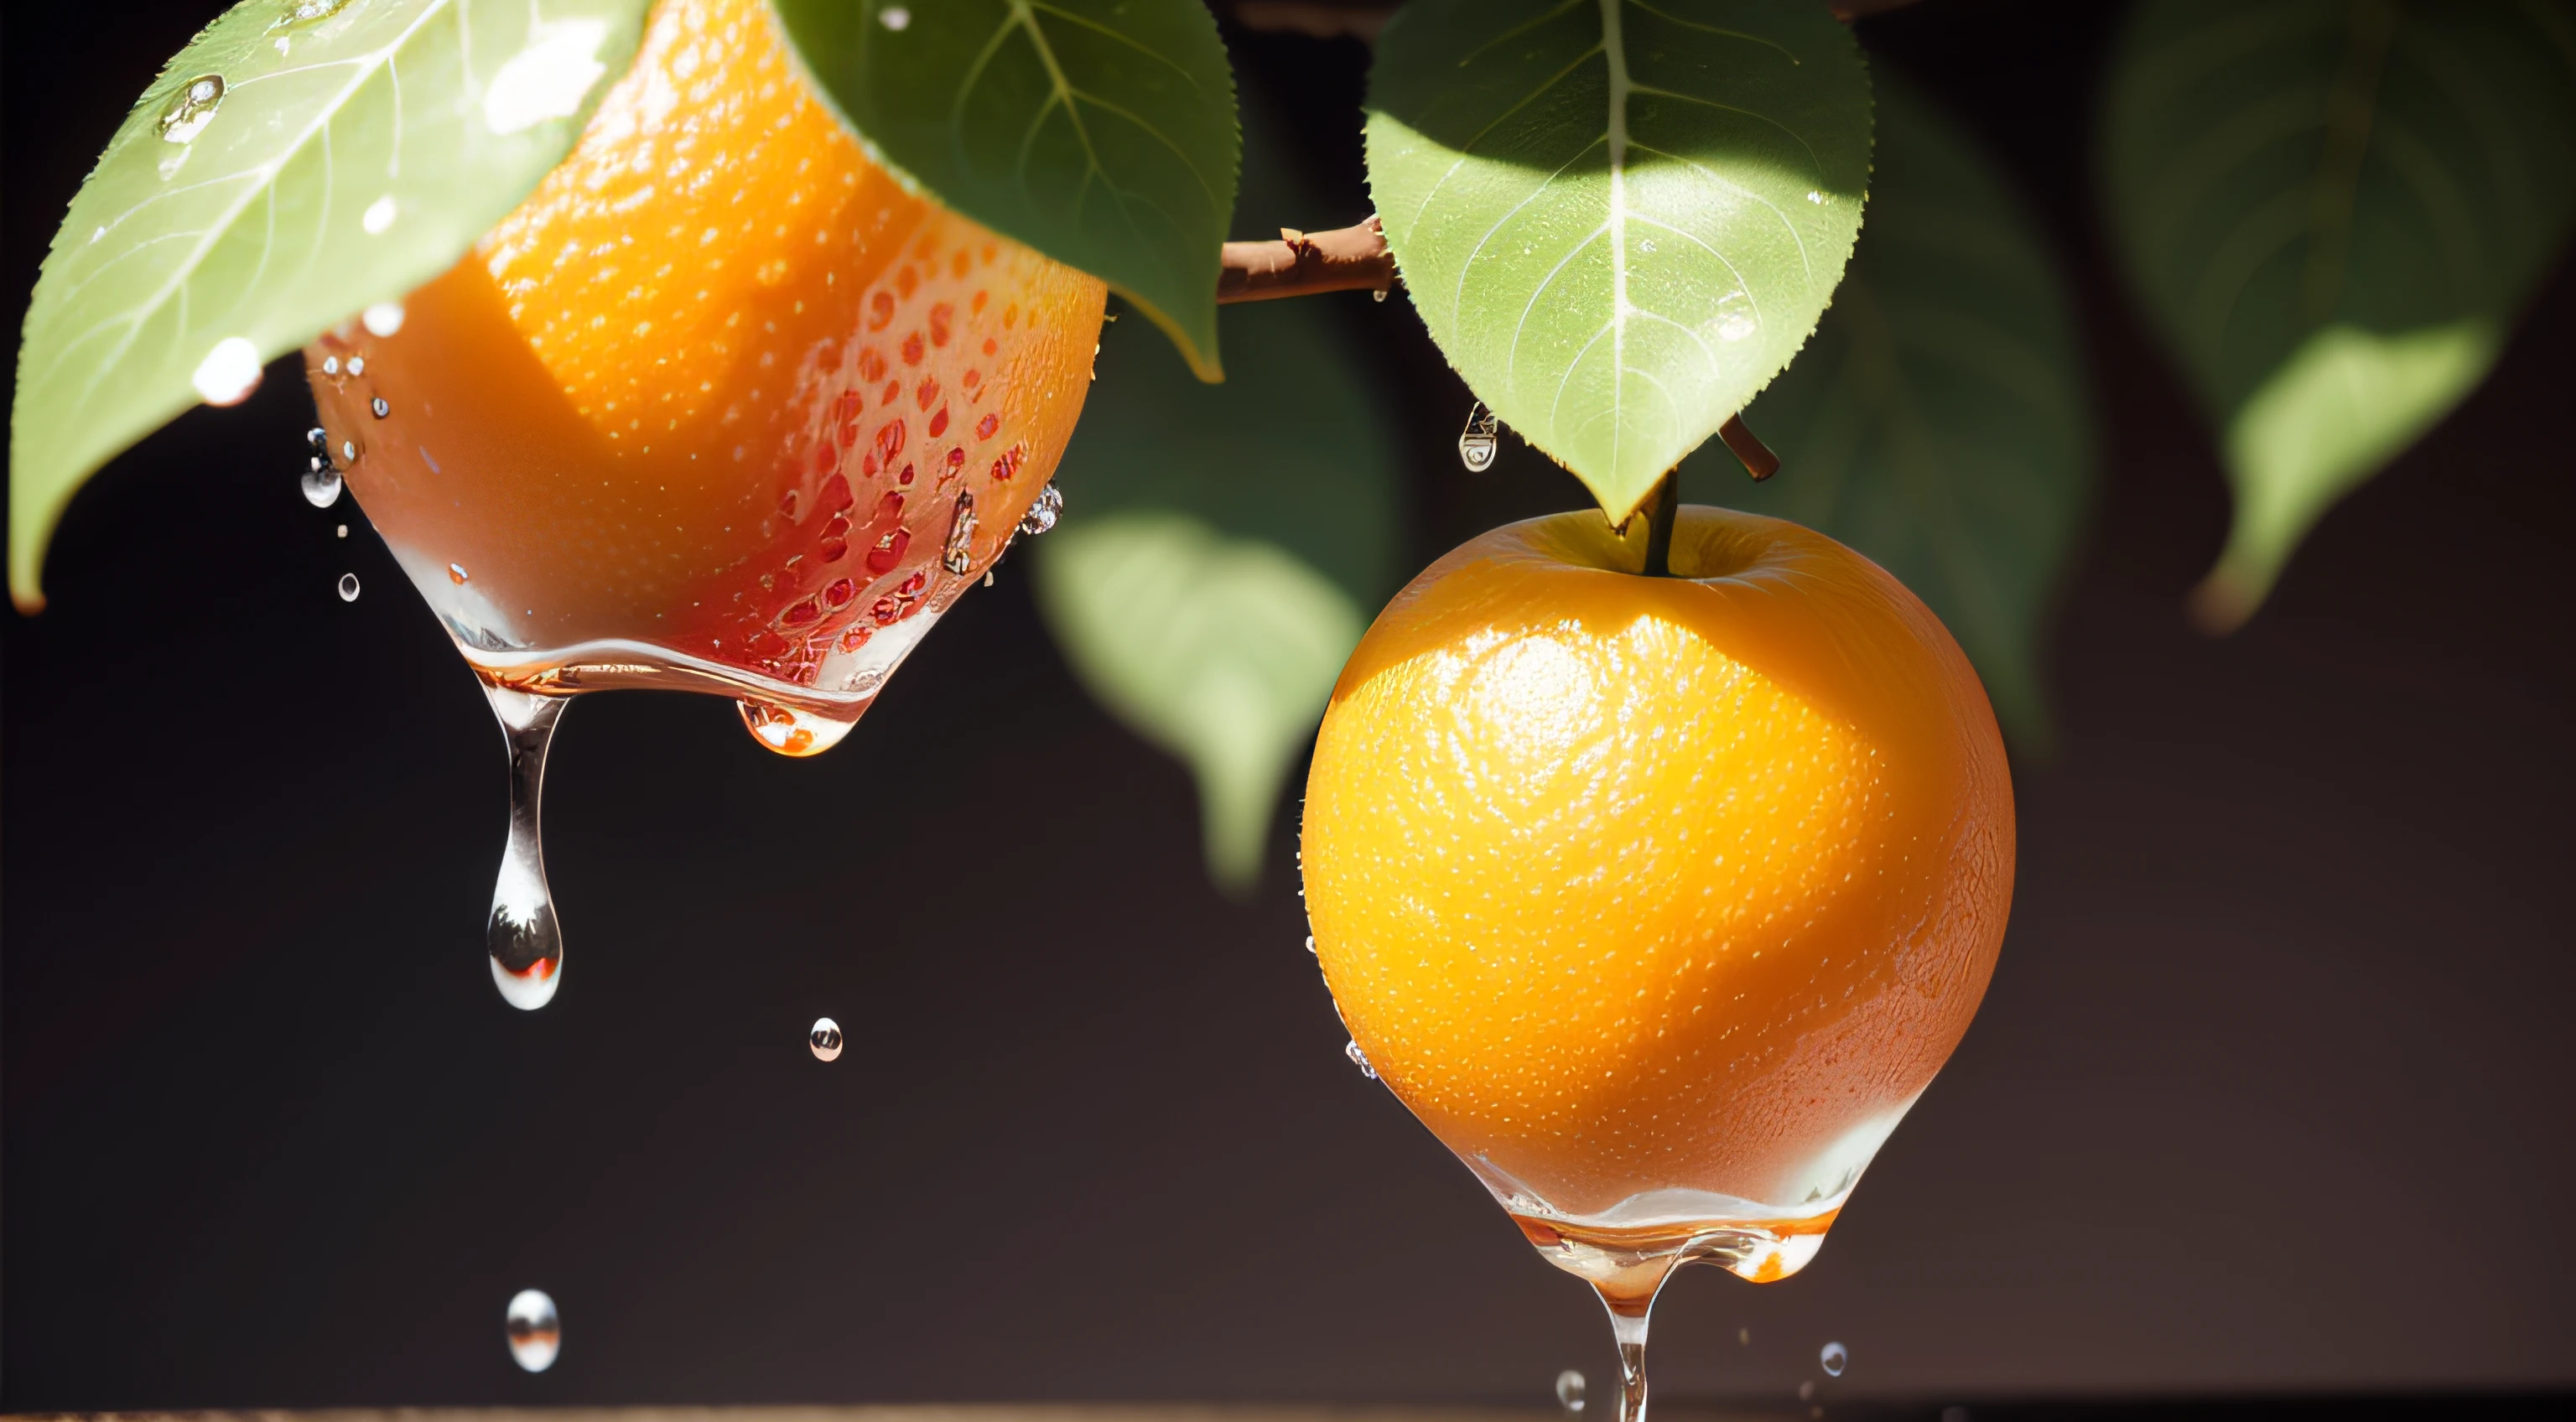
(379, 215)
(1569, 1392)
(1834, 1358)
(456, 574)
(306, 11)
(535, 1334)
(1310, 943)
(385, 318)
(547, 80)
(522, 935)
(322, 486)
(228, 373)
(1378, 295)
(380, 407)
(348, 587)
(192, 108)
(1043, 513)
(348, 451)
(319, 441)
(357, 365)
(1359, 1059)
(959, 554)
(343, 532)
(792, 732)
(895, 18)
(331, 366)
(825, 1039)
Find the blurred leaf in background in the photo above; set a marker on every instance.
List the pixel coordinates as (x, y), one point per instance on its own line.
(1223, 547)
(1938, 420)
(2333, 208)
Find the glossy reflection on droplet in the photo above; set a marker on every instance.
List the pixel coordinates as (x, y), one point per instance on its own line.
(322, 486)
(1359, 1059)
(348, 587)
(192, 108)
(536, 1335)
(380, 406)
(825, 1039)
(1833, 1358)
(1569, 1392)
(522, 935)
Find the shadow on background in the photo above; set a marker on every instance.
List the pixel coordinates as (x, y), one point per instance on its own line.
(2269, 1095)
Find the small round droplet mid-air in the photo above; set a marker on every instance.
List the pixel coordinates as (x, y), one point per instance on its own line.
(1834, 1357)
(1359, 1059)
(825, 1039)
(381, 407)
(322, 487)
(535, 1334)
(1569, 1392)
(192, 108)
(343, 531)
(348, 587)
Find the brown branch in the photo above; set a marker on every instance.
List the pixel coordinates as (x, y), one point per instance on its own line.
(1303, 263)
(1758, 459)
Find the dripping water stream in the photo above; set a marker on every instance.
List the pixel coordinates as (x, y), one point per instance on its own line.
(1630, 1313)
(522, 935)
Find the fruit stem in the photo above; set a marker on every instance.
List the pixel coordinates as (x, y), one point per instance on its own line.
(1665, 501)
(1354, 258)
(1758, 459)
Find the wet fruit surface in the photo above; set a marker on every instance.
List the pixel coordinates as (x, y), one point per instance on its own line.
(719, 387)
(1631, 885)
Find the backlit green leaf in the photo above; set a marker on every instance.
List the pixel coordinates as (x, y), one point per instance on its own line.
(1937, 422)
(1100, 132)
(299, 160)
(1223, 545)
(1619, 219)
(2334, 209)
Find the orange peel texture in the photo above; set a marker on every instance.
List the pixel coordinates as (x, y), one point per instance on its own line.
(1632, 884)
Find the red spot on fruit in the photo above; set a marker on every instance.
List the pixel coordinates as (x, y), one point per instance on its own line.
(827, 457)
(889, 509)
(928, 392)
(840, 593)
(893, 392)
(1009, 463)
(907, 280)
(768, 644)
(872, 365)
(849, 434)
(939, 423)
(868, 466)
(835, 494)
(856, 638)
(1010, 315)
(985, 427)
(849, 403)
(913, 584)
(940, 317)
(912, 349)
(885, 611)
(973, 379)
(889, 440)
(976, 306)
(956, 459)
(880, 310)
(960, 264)
(802, 613)
(833, 550)
(889, 551)
(991, 345)
(906, 476)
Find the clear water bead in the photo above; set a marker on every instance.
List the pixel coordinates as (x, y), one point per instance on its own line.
(1834, 1358)
(380, 406)
(825, 1039)
(1569, 1392)
(1359, 1059)
(535, 1334)
(322, 486)
(348, 587)
(192, 108)
(1043, 513)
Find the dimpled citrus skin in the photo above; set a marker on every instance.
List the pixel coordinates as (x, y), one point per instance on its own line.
(717, 384)
(1628, 884)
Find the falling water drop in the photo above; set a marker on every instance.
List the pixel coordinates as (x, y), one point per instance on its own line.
(1834, 1358)
(348, 587)
(522, 935)
(825, 1039)
(192, 108)
(1359, 1059)
(322, 485)
(343, 531)
(535, 1334)
(1569, 1392)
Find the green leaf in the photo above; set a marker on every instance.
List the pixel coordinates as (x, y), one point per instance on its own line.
(1619, 219)
(1222, 545)
(1100, 132)
(298, 161)
(1938, 421)
(2334, 210)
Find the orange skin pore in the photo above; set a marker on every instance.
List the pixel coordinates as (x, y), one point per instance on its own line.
(1628, 884)
(716, 386)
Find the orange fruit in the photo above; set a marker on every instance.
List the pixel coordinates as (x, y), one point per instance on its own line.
(721, 405)
(1659, 900)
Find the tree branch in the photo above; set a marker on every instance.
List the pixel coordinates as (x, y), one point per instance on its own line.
(1303, 263)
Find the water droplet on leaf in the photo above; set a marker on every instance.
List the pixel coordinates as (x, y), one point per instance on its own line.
(379, 215)
(192, 108)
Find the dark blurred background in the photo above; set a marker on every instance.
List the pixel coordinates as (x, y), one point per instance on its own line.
(2272, 1091)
